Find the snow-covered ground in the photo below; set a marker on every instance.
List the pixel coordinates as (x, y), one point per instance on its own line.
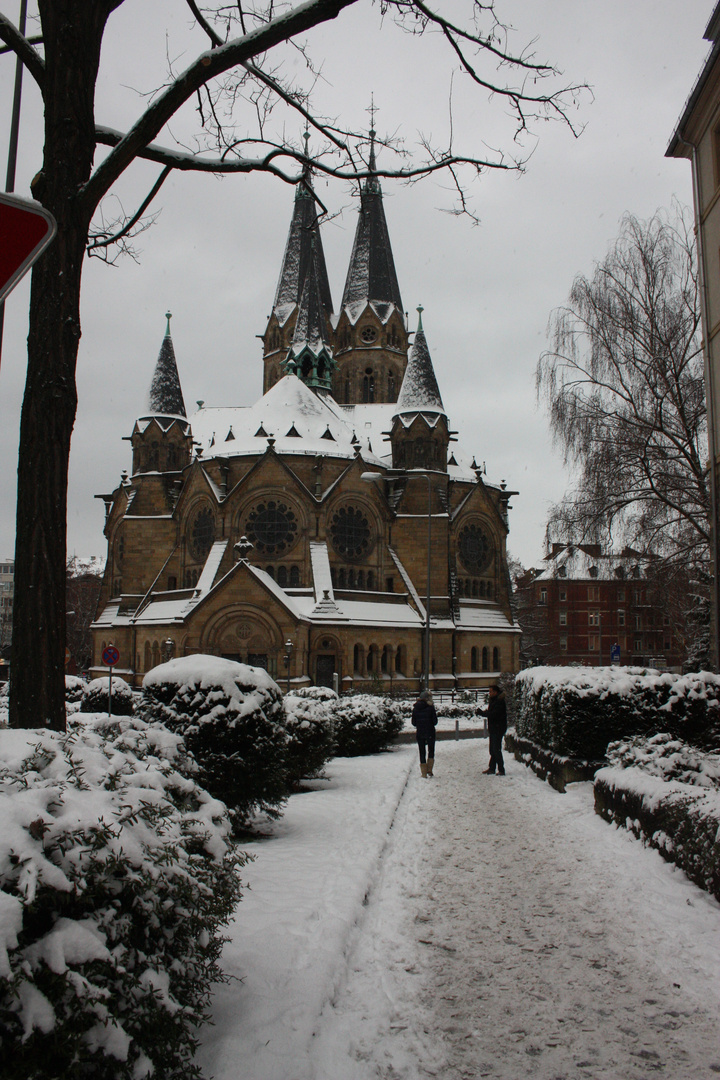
(460, 927)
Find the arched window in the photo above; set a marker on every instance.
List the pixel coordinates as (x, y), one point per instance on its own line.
(333, 577)
(155, 654)
(361, 579)
(294, 577)
(489, 590)
(271, 571)
(341, 578)
(351, 579)
(148, 656)
(484, 658)
(384, 659)
(474, 658)
(370, 580)
(482, 588)
(398, 660)
(370, 660)
(282, 577)
(496, 659)
(391, 385)
(155, 456)
(356, 658)
(368, 386)
(474, 588)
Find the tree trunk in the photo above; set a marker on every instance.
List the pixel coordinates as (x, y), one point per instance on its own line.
(72, 34)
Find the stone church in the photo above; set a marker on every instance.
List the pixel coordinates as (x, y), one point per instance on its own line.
(334, 532)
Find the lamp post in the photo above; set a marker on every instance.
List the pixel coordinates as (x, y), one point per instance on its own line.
(286, 658)
(412, 474)
(168, 647)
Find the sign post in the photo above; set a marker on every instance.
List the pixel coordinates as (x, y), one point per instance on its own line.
(110, 657)
(615, 653)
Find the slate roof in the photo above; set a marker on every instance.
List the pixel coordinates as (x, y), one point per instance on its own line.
(303, 250)
(371, 275)
(166, 395)
(419, 391)
(310, 330)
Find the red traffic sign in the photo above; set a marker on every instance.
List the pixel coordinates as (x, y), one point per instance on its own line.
(110, 656)
(26, 229)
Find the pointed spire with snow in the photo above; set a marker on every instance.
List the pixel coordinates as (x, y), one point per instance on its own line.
(419, 391)
(303, 250)
(310, 356)
(371, 275)
(166, 396)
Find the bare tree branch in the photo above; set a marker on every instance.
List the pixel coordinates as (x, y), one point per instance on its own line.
(23, 48)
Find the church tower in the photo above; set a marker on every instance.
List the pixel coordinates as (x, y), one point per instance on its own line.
(371, 341)
(161, 441)
(310, 355)
(304, 258)
(420, 435)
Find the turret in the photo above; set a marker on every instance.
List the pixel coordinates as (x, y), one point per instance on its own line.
(161, 439)
(420, 435)
(370, 338)
(310, 355)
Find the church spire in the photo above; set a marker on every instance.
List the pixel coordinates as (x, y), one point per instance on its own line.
(166, 395)
(419, 391)
(303, 250)
(371, 275)
(310, 355)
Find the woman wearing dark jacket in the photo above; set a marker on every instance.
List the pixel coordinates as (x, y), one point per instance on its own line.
(424, 719)
(497, 726)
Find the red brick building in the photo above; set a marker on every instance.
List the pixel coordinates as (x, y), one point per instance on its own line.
(585, 606)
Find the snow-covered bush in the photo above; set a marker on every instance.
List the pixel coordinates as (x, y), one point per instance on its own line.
(578, 711)
(667, 758)
(365, 724)
(315, 693)
(450, 710)
(232, 719)
(96, 697)
(115, 880)
(74, 689)
(310, 729)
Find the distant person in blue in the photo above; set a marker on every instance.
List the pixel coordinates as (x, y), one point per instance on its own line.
(424, 719)
(497, 726)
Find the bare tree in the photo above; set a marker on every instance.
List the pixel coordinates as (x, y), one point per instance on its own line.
(242, 84)
(84, 581)
(624, 387)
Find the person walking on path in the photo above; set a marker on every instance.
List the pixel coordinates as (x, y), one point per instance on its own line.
(497, 726)
(424, 719)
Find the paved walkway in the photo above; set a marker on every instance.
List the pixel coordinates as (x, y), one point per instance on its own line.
(512, 934)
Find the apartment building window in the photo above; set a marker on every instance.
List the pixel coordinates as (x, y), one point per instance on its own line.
(638, 644)
(563, 644)
(563, 594)
(621, 618)
(543, 596)
(593, 618)
(593, 592)
(563, 618)
(621, 595)
(592, 643)
(667, 644)
(638, 622)
(639, 596)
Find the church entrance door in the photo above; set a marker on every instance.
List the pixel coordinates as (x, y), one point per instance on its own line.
(324, 670)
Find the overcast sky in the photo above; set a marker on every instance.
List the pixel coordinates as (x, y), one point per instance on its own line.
(214, 254)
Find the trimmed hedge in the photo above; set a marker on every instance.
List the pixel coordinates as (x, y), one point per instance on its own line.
(311, 734)
(365, 724)
(576, 712)
(681, 821)
(95, 697)
(232, 719)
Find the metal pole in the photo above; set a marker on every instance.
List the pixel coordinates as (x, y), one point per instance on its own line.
(110, 691)
(14, 132)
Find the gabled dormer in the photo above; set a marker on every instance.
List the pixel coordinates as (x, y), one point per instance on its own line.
(310, 355)
(371, 339)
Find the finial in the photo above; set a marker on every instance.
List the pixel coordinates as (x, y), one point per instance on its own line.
(372, 110)
(306, 137)
(420, 310)
(168, 316)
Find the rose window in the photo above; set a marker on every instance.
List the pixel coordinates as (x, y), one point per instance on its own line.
(272, 527)
(475, 549)
(350, 532)
(202, 534)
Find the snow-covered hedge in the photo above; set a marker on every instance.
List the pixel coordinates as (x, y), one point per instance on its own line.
(232, 719)
(115, 880)
(311, 733)
(451, 710)
(680, 820)
(74, 689)
(365, 724)
(577, 711)
(95, 697)
(668, 759)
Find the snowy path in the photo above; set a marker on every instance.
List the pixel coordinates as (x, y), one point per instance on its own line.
(469, 926)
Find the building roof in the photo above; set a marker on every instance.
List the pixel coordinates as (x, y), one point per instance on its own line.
(303, 250)
(574, 563)
(676, 147)
(166, 395)
(371, 275)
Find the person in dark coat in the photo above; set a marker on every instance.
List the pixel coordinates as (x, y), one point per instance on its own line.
(424, 719)
(497, 726)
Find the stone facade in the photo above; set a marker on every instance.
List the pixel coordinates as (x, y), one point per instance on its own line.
(307, 518)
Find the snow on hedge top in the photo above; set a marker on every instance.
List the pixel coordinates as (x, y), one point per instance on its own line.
(620, 681)
(246, 687)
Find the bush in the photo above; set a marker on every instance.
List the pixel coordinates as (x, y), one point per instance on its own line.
(668, 759)
(74, 689)
(96, 697)
(310, 729)
(576, 712)
(232, 720)
(115, 879)
(365, 724)
(315, 693)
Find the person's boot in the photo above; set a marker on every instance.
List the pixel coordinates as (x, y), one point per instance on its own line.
(423, 770)
(430, 763)
(489, 772)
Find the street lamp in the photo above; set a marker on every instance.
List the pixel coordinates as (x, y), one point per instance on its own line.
(286, 658)
(168, 646)
(412, 474)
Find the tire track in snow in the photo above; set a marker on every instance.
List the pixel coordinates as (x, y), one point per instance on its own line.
(506, 937)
